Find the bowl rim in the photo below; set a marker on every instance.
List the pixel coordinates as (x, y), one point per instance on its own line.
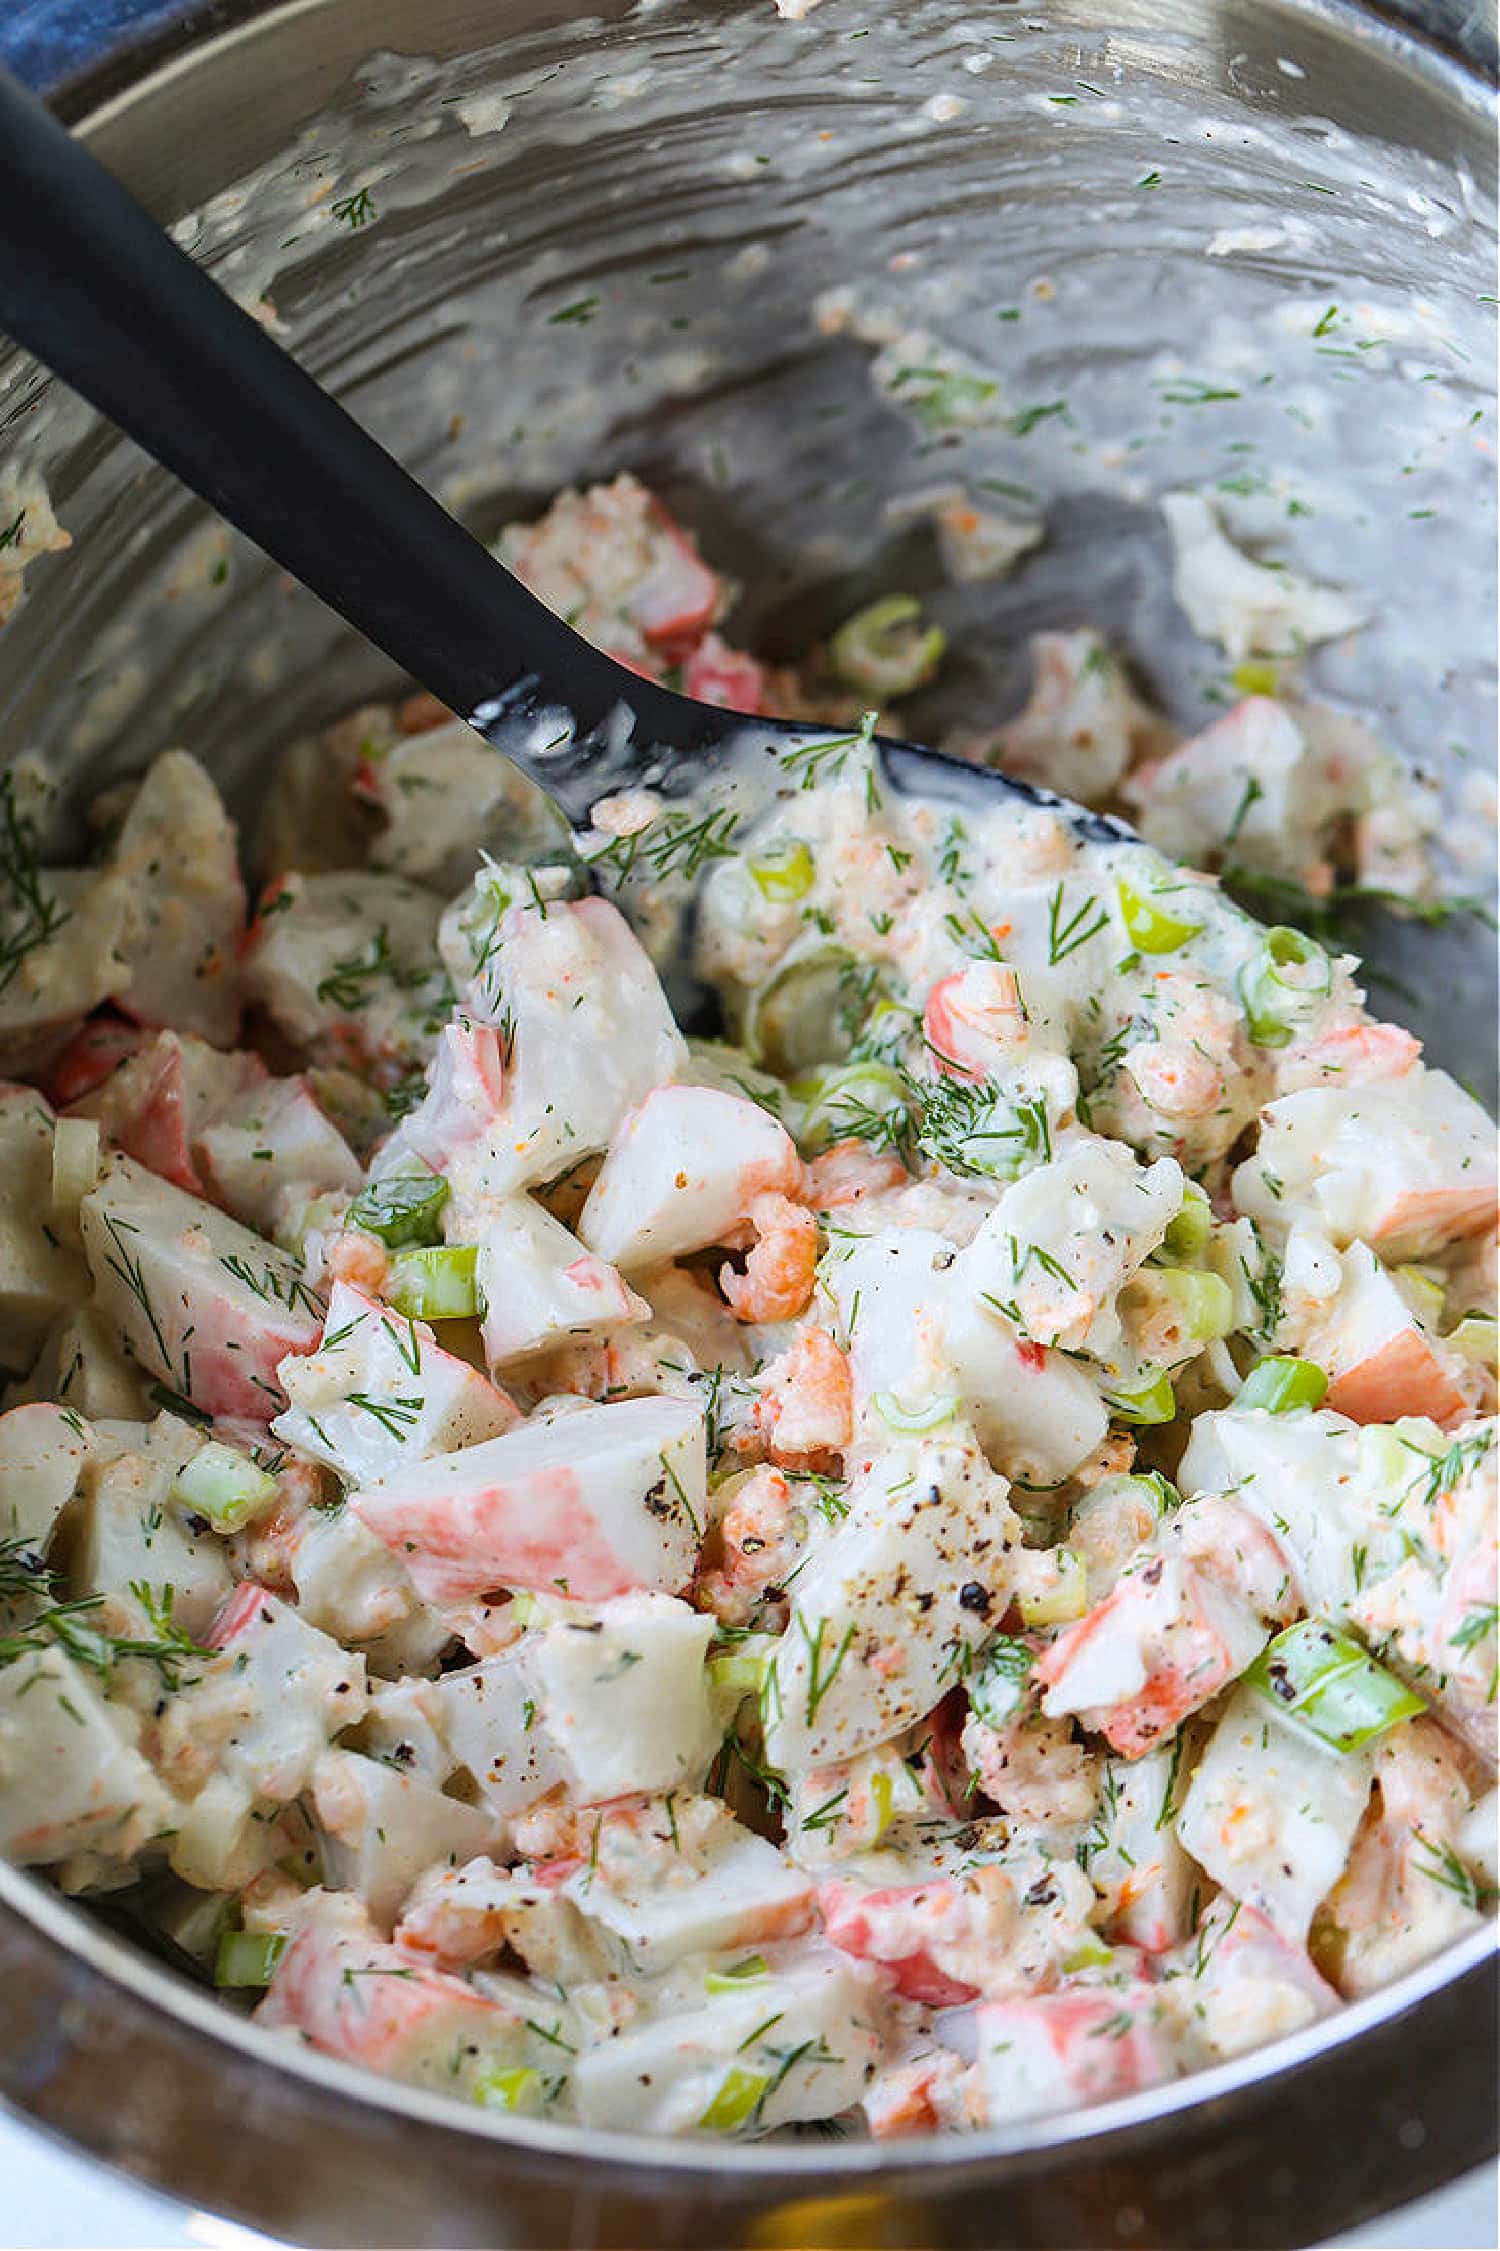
(92, 98)
(1089, 2132)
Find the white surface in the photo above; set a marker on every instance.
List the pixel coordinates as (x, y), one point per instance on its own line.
(53, 2202)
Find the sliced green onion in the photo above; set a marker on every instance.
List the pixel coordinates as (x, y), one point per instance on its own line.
(435, 1285)
(1204, 1302)
(855, 1098)
(1277, 983)
(792, 1020)
(1164, 1494)
(784, 871)
(221, 1484)
(519, 2088)
(1254, 678)
(402, 1210)
(1280, 1384)
(1329, 1686)
(1475, 1336)
(1152, 930)
(1150, 1399)
(1089, 1954)
(737, 1974)
(1067, 1599)
(936, 1411)
(998, 1688)
(1190, 1230)
(247, 1958)
(883, 1796)
(885, 650)
(739, 2093)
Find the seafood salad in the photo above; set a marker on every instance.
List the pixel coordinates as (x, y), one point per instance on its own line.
(926, 1560)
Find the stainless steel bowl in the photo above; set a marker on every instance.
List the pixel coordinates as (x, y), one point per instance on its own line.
(670, 240)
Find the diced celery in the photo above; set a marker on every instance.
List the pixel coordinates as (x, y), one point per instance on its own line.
(1329, 1686)
(1475, 1337)
(1204, 1302)
(1254, 678)
(1153, 929)
(403, 1210)
(435, 1285)
(1277, 983)
(248, 1958)
(737, 1974)
(1281, 1384)
(1150, 1399)
(1066, 1599)
(1423, 1291)
(518, 2088)
(883, 1797)
(997, 1688)
(740, 1672)
(738, 2095)
(885, 649)
(1190, 1230)
(75, 1164)
(221, 1484)
(927, 1417)
(783, 871)
(1090, 1953)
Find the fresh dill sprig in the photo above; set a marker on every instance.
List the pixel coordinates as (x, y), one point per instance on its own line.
(30, 914)
(672, 845)
(1066, 934)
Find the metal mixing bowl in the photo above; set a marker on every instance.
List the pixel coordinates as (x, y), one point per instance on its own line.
(1238, 244)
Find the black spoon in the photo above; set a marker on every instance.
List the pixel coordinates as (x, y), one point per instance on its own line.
(93, 287)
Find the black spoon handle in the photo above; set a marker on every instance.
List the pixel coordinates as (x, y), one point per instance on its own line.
(93, 287)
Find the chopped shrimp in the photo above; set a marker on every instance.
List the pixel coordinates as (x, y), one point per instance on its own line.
(848, 1172)
(455, 1916)
(358, 1259)
(778, 1277)
(1033, 1769)
(760, 1544)
(1112, 1456)
(1175, 1081)
(806, 1403)
(975, 1019)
